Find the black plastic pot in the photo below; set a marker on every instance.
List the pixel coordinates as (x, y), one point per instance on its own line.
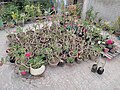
(77, 60)
(100, 70)
(61, 23)
(94, 68)
(12, 59)
(80, 34)
(61, 63)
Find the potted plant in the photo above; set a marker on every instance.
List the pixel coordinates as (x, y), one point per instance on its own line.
(53, 60)
(23, 70)
(61, 63)
(37, 65)
(70, 61)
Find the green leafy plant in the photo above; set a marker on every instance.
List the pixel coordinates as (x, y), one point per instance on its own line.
(70, 60)
(37, 62)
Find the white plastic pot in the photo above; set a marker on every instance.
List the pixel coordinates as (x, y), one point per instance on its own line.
(38, 71)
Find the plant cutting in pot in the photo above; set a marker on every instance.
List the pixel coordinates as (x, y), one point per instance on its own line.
(37, 65)
(61, 63)
(79, 57)
(70, 61)
(24, 71)
(53, 60)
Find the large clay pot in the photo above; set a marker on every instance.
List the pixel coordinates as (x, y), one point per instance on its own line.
(38, 71)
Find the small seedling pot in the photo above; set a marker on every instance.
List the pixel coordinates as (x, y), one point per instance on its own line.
(94, 68)
(53, 64)
(77, 60)
(100, 70)
(61, 63)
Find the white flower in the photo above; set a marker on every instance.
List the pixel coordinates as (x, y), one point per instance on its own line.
(99, 42)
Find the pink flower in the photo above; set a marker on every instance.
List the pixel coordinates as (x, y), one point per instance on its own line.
(65, 26)
(78, 25)
(108, 58)
(37, 21)
(53, 8)
(28, 54)
(106, 50)
(23, 73)
(84, 30)
(49, 18)
(14, 31)
(109, 41)
(75, 20)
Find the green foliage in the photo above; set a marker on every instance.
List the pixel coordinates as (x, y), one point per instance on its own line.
(8, 11)
(37, 62)
(91, 15)
(70, 60)
(117, 24)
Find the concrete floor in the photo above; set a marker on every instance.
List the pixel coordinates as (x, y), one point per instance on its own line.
(77, 77)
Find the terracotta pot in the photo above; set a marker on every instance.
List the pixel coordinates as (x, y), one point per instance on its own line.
(92, 57)
(53, 64)
(38, 71)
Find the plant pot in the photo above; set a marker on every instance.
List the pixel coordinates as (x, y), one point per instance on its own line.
(110, 46)
(61, 63)
(94, 68)
(77, 60)
(92, 57)
(70, 64)
(53, 64)
(12, 59)
(117, 33)
(113, 51)
(100, 70)
(38, 71)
